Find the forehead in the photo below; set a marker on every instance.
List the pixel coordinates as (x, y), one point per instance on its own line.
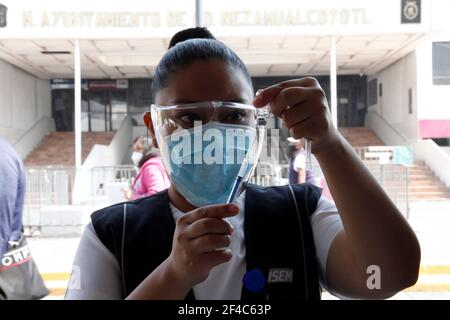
(211, 80)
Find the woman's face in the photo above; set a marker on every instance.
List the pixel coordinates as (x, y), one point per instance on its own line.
(211, 80)
(138, 147)
(200, 81)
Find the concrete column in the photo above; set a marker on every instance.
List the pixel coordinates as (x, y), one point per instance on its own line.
(77, 93)
(198, 13)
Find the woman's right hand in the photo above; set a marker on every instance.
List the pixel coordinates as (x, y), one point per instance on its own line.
(127, 193)
(199, 243)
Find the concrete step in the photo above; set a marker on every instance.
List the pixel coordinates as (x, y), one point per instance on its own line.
(428, 199)
(360, 136)
(420, 172)
(417, 183)
(428, 189)
(436, 194)
(416, 189)
(422, 177)
(417, 167)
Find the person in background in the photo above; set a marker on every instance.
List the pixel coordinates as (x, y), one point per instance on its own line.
(12, 194)
(297, 164)
(20, 278)
(152, 176)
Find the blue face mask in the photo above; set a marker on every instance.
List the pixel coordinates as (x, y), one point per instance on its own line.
(203, 162)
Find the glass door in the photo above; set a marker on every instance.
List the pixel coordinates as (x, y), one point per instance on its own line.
(85, 111)
(343, 108)
(118, 109)
(63, 109)
(97, 111)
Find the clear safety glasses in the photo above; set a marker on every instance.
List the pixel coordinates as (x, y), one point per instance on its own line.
(186, 116)
(171, 121)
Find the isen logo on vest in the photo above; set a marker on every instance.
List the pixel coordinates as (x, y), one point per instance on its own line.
(280, 275)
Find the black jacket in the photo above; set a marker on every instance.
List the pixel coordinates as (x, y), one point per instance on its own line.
(279, 242)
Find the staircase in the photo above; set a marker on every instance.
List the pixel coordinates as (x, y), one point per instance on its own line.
(423, 184)
(58, 148)
(360, 136)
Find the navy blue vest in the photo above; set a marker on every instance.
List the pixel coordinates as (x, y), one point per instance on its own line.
(277, 239)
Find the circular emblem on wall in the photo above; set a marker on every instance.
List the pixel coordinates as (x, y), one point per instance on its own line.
(3, 11)
(411, 10)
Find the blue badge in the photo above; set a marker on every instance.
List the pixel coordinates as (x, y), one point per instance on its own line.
(254, 280)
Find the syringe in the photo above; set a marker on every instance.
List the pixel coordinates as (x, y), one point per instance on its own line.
(249, 162)
(307, 143)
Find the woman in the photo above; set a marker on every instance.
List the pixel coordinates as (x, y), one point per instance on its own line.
(182, 244)
(152, 176)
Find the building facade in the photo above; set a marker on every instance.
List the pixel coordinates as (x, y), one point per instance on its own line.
(382, 63)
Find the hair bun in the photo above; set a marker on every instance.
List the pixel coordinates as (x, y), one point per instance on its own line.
(191, 33)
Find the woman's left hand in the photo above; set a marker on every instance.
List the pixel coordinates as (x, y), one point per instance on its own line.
(302, 105)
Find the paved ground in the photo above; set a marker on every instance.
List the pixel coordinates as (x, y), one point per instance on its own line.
(431, 221)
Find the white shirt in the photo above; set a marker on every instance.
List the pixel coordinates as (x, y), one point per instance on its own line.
(97, 275)
(299, 161)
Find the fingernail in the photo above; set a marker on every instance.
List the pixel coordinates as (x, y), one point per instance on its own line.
(258, 98)
(232, 208)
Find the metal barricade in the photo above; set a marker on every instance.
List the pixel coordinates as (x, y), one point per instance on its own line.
(54, 186)
(46, 186)
(393, 178)
(100, 176)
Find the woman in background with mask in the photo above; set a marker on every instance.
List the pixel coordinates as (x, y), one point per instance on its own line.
(283, 242)
(152, 176)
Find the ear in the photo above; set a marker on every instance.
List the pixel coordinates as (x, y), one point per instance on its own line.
(151, 131)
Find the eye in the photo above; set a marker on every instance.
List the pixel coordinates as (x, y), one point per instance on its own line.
(235, 116)
(189, 118)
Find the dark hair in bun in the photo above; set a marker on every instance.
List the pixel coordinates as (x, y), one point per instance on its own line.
(191, 33)
(188, 46)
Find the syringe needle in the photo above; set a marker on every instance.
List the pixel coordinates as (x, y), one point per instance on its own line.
(308, 153)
